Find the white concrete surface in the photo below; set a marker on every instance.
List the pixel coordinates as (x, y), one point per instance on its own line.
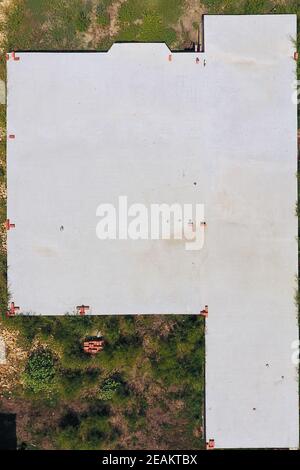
(92, 126)
(251, 237)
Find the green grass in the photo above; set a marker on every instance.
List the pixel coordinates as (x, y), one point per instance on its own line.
(149, 21)
(152, 29)
(239, 7)
(40, 372)
(103, 19)
(59, 375)
(168, 10)
(64, 19)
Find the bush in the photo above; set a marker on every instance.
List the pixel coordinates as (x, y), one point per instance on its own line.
(40, 371)
(108, 389)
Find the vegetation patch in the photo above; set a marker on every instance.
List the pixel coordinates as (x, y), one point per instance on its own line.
(144, 389)
(149, 21)
(40, 371)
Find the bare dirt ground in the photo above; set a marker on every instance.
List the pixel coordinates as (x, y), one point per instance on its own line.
(186, 27)
(15, 358)
(4, 5)
(113, 11)
(33, 421)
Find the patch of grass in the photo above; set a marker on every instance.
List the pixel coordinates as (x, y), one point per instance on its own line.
(40, 24)
(85, 431)
(103, 19)
(102, 15)
(168, 10)
(119, 380)
(82, 20)
(129, 33)
(149, 21)
(72, 382)
(250, 7)
(151, 29)
(132, 10)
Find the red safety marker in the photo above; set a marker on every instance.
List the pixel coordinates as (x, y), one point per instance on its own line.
(82, 309)
(14, 57)
(296, 55)
(11, 136)
(12, 310)
(9, 225)
(204, 312)
(210, 444)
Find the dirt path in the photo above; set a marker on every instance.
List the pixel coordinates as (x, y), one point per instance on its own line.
(113, 11)
(187, 25)
(4, 6)
(10, 372)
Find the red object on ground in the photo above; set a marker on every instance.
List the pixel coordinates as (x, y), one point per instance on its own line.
(82, 308)
(12, 310)
(210, 444)
(13, 54)
(9, 225)
(204, 312)
(170, 57)
(296, 55)
(93, 346)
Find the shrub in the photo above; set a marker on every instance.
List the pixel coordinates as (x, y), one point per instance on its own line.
(108, 389)
(40, 371)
